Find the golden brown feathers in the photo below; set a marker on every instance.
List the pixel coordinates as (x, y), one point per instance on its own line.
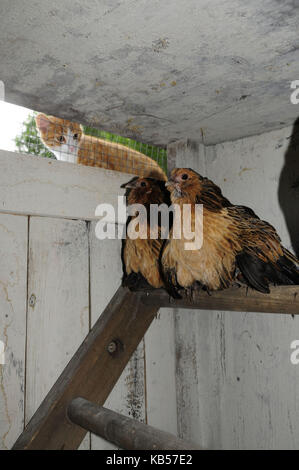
(195, 189)
(141, 256)
(236, 243)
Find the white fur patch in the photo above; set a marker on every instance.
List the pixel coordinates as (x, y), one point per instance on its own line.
(68, 151)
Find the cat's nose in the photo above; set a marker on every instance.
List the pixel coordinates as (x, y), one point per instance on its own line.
(72, 148)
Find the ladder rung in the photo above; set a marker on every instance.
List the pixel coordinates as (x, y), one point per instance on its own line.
(126, 433)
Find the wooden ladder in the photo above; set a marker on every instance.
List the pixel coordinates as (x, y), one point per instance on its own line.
(74, 405)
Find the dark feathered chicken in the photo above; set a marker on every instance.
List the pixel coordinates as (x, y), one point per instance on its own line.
(235, 243)
(141, 256)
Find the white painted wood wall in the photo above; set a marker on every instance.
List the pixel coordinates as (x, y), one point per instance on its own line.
(222, 379)
(56, 278)
(236, 386)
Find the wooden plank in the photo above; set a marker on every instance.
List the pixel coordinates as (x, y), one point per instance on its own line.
(258, 386)
(125, 432)
(58, 302)
(185, 153)
(203, 362)
(13, 293)
(187, 381)
(91, 373)
(282, 299)
(64, 189)
(128, 395)
(161, 397)
(236, 385)
(191, 379)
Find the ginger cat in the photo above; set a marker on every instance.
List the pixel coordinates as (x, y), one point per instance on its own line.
(68, 142)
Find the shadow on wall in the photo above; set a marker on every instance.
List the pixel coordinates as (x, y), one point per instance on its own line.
(288, 191)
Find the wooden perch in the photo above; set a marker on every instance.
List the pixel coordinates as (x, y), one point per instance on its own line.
(92, 372)
(124, 432)
(282, 299)
(100, 360)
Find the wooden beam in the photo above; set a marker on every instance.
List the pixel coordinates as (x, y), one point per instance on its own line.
(126, 433)
(282, 299)
(100, 360)
(64, 189)
(91, 373)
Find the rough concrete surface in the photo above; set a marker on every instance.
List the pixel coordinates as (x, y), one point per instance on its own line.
(157, 71)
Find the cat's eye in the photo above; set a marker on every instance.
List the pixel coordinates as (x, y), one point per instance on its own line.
(184, 176)
(61, 139)
(75, 136)
(143, 184)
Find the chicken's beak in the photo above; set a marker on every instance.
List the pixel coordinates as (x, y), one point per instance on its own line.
(129, 185)
(169, 182)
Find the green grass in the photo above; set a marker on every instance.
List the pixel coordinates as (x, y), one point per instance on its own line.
(156, 153)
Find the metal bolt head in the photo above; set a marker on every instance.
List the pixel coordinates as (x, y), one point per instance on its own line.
(32, 300)
(112, 347)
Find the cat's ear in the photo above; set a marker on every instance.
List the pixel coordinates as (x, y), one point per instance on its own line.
(43, 122)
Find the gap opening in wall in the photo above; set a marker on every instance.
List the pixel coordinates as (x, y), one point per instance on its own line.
(27, 131)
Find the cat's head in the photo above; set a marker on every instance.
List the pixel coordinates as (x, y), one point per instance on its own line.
(62, 137)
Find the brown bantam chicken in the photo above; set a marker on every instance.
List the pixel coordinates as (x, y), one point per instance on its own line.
(236, 243)
(140, 257)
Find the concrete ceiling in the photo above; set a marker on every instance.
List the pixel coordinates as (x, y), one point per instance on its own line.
(156, 70)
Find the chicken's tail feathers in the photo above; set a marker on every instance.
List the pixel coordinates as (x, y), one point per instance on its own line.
(259, 273)
(291, 257)
(289, 265)
(253, 271)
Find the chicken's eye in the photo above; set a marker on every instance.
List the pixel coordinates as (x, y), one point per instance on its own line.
(75, 136)
(61, 139)
(142, 184)
(184, 176)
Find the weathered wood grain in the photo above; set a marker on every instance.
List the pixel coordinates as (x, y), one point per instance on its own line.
(236, 385)
(125, 432)
(128, 395)
(13, 293)
(149, 378)
(39, 186)
(259, 386)
(282, 299)
(91, 373)
(190, 419)
(58, 302)
(161, 402)
(191, 381)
